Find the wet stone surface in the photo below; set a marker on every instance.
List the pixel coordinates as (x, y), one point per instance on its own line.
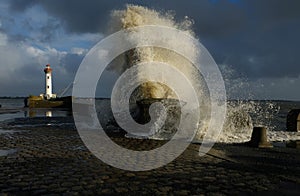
(54, 160)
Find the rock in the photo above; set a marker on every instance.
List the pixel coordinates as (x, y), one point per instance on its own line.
(121, 190)
(182, 192)
(293, 120)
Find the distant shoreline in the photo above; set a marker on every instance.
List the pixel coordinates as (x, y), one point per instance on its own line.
(8, 97)
(101, 98)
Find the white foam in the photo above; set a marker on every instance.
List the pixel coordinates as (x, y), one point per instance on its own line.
(281, 136)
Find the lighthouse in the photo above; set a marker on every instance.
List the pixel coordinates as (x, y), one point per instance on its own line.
(47, 99)
(48, 83)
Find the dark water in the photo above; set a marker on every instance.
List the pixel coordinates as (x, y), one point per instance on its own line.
(14, 108)
(272, 114)
(275, 112)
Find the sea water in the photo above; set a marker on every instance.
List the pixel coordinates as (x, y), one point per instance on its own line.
(235, 133)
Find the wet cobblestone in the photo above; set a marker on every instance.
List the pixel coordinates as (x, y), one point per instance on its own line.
(55, 161)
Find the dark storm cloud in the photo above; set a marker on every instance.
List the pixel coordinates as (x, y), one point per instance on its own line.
(92, 15)
(20, 5)
(77, 15)
(274, 10)
(71, 62)
(257, 38)
(26, 77)
(48, 30)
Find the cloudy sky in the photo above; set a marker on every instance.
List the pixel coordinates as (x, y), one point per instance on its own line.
(255, 42)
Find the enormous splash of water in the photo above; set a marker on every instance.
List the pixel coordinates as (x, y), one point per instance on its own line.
(238, 122)
(134, 16)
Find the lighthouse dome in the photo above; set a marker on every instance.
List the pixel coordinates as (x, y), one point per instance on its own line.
(47, 69)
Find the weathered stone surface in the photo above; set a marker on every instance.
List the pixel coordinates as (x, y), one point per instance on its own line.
(48, 161)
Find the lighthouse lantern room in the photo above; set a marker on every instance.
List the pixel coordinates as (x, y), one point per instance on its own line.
(48, 83)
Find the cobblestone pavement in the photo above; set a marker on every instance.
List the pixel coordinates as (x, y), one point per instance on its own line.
(53, 160)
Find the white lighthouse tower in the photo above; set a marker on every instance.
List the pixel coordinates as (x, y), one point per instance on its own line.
(48, 84)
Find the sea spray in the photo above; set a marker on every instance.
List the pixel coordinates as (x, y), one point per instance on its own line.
(239, 122)
(134, 16)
